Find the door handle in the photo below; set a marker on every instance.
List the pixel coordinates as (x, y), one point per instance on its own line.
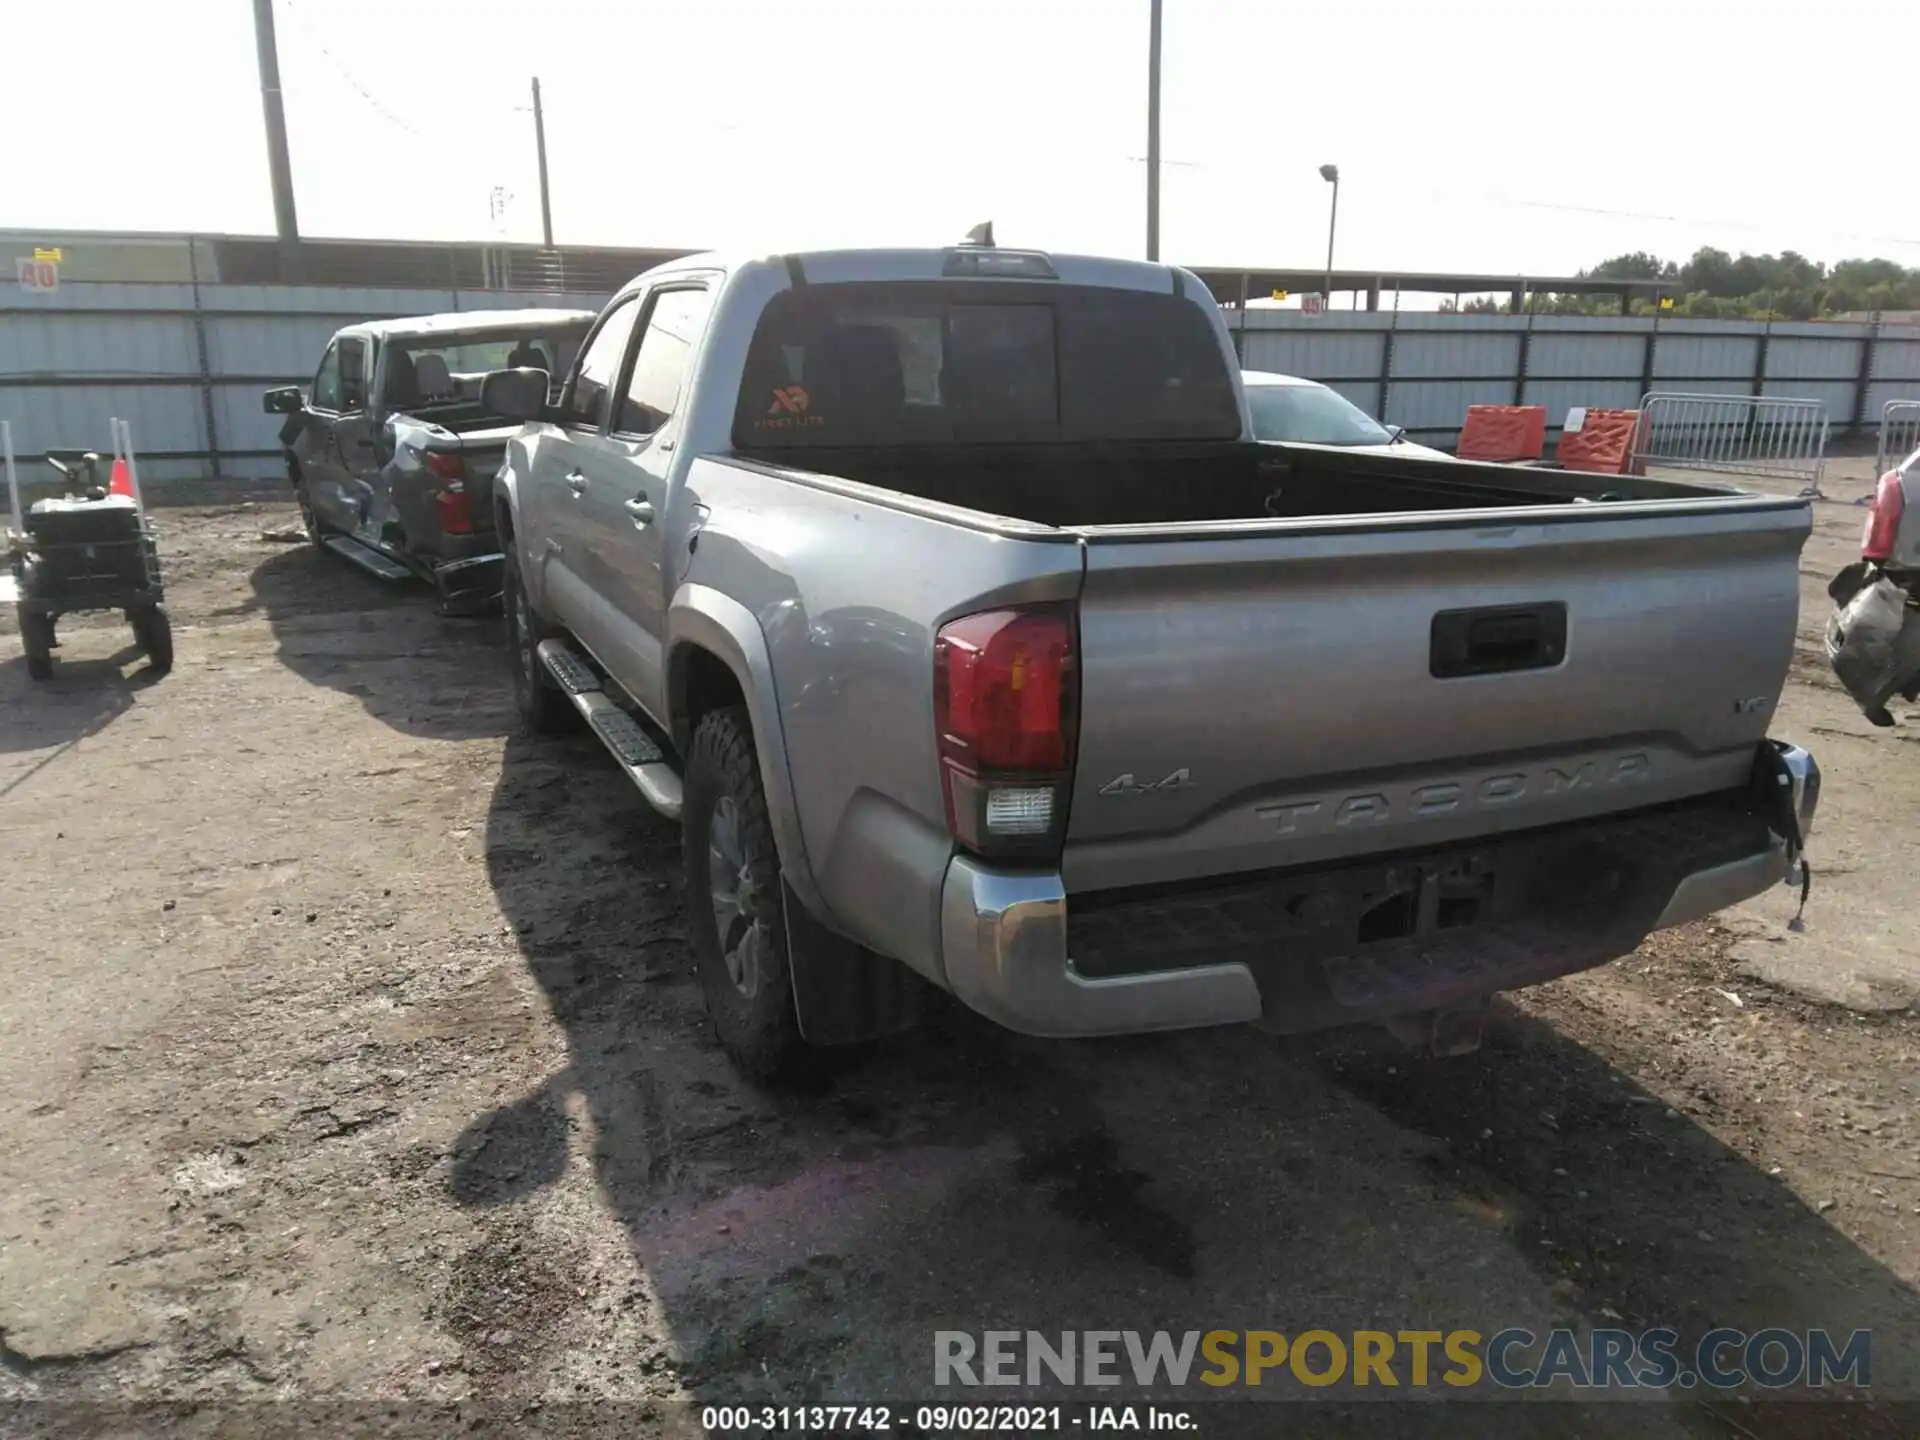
(577, 483)
(641, 509)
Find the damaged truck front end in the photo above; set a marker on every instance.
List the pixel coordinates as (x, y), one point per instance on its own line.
(1873, 637)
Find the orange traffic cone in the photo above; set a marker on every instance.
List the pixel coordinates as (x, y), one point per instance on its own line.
(121, 482)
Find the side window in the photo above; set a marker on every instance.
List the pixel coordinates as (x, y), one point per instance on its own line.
(599, 369)
(660, 364)
(353, 374)
(326, 384)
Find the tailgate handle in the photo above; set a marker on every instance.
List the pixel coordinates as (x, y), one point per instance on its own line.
(1497, 639)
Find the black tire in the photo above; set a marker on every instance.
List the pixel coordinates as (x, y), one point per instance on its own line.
(153, 633)
(36, 638)
(542, 708)
(744, 972)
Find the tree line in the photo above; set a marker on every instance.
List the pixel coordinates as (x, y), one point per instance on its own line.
(1716, 285)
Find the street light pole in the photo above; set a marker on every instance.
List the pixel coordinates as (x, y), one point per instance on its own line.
(1330, 174)
(1153, 133)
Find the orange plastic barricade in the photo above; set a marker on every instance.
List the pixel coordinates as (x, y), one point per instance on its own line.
(1503, 432)
(1603, 445)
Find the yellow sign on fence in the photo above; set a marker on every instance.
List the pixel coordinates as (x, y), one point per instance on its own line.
(52, 255)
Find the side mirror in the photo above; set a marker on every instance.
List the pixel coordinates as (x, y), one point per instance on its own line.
(287, 400)
(516, 394)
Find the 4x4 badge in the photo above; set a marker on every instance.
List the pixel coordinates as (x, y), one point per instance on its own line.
(1127, 785)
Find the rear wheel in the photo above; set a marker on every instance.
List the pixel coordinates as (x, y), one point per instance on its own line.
(736, 905)
(36, 638)
(543, 709)
(153, 633)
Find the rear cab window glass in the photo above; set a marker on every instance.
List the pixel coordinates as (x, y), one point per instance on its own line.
(900, 363)
(424, 370)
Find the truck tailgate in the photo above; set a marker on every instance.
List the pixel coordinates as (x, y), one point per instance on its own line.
(482, 451)
(1259, 697)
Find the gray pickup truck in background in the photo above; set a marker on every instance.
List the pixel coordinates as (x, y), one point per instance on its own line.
(390, 453)
(948, 601)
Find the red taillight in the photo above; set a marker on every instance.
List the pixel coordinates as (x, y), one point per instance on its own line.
(456, 512)
(1883, 520)
(1006, 700)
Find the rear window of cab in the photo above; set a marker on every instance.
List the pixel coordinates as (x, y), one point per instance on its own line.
(903, 363)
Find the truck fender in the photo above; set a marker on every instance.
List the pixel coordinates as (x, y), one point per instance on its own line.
(506, 497)
(506, 521)
(702, 618)
(843, 993)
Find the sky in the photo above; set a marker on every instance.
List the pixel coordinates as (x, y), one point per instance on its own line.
(1473, 135)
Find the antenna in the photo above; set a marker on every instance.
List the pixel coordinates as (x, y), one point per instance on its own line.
(981, 234)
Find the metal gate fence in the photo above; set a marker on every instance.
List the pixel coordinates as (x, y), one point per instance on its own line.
(1899, 434)
(1735, 435)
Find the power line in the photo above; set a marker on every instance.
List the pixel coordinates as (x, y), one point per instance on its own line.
(346, 74)
(1240, 168)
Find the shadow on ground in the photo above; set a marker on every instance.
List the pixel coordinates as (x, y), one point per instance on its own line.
(82, 698)
(384, 644)
(807, 1247)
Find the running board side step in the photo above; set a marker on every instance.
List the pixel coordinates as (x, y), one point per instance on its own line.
(638, 753)
(367, 558)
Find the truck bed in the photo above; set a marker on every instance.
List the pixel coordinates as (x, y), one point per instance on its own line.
(479, 436)
(1071, 486)
(1478, 650)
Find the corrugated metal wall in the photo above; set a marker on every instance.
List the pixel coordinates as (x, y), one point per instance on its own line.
(1421, 369)
(185, 364)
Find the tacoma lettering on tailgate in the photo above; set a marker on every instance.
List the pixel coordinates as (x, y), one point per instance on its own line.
(1449, 797)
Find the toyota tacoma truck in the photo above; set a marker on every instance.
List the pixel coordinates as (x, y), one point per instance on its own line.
(390, 454)
(947, 599)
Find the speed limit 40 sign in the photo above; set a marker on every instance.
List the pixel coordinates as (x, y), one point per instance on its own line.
(37, 274)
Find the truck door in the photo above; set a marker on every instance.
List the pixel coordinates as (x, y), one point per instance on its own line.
(625, 508)
(559, 555)
(316, 449)
(353, 437)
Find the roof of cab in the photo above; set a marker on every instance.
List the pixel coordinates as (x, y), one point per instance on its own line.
(1273, 377)
(895, 262)
(469, 322)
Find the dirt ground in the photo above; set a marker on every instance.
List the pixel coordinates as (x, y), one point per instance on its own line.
(349, 1052)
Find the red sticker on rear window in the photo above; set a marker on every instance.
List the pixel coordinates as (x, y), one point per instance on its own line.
(789, 410)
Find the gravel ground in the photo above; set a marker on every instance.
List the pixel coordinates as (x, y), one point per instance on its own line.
(349, 1052)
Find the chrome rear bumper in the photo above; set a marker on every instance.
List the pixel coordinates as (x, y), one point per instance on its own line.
(1005, 952)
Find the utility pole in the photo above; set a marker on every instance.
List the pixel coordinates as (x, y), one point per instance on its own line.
(286, 225)
(1330, 174)
(540, 143)
(1153, 133)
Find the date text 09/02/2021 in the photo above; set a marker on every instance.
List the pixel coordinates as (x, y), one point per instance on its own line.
(942, 1419)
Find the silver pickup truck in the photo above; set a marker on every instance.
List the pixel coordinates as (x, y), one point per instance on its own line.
(947, 600)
